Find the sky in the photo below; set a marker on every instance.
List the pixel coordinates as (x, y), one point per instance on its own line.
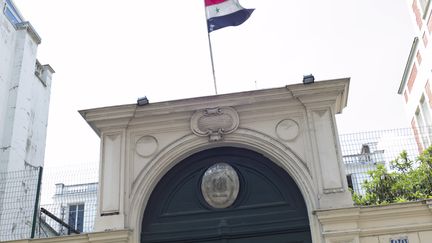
(109, 53)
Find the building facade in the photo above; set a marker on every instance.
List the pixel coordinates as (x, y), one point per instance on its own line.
(24, 100)
(415, 86)
(73, 204)
(25, 93)
(258, 166)
(243, 167)
(357, 165)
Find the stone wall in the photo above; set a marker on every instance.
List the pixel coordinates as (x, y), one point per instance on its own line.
(120, 236)
(374, 224)
(378, 224)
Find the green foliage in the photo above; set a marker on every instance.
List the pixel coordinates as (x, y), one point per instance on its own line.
(409, 181)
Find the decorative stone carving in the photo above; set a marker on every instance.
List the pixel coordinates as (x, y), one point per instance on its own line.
(220, 185)
(146, 146)
(214, 122)
(287, 130)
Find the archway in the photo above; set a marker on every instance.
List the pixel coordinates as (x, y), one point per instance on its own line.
(268, 206)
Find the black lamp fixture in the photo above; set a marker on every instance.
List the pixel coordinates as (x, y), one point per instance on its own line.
(308, 79)
(142, 101)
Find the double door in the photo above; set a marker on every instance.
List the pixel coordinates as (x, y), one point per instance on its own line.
(226, 195)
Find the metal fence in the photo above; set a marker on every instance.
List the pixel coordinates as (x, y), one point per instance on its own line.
(68, 200)
(362, 152)
(19, 194)
(72, 211)
(54, 201)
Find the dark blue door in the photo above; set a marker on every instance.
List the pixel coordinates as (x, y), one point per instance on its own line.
(268, 206)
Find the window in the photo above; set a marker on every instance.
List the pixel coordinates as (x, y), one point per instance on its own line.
(76, 216)
(427, 116)
(424, 4)
(11, 13)
(350, 181)
(422, 127)
(425, 110)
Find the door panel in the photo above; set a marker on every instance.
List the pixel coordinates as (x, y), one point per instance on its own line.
(269, 206)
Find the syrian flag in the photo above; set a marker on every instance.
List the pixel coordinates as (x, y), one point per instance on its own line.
(223, 13)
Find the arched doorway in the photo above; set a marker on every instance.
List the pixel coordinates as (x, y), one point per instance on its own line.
(253, 200)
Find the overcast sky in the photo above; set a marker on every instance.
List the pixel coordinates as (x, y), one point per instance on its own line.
(109, 53)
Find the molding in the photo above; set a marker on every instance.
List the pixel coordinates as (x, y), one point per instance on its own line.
(111, 156)
(287, 130)
(376, 220)
(398, 229)
(30, 30)
(174, 153)
(329, 91)
(118, 236)
(146, 146)
(160, 115)
(48, 68)
(214, 122)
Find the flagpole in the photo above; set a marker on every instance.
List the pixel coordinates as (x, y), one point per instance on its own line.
(212, 63)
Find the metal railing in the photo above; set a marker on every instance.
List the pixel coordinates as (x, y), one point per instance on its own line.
(69, 200)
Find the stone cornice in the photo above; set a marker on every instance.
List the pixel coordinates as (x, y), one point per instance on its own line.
(155, 114)
(30, 30)
(48, 68)
(372, 212)
(331, 91)
(118, 236)
(376, 220)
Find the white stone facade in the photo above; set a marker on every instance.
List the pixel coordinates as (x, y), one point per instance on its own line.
(293, 126)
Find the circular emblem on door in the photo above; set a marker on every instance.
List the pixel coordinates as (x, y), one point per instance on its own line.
(220, 185)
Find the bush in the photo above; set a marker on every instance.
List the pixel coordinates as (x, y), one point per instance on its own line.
(409, 181)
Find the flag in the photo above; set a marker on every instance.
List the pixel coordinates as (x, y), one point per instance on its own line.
(223, 13)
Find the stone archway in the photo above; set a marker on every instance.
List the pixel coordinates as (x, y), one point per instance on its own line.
(269, 207)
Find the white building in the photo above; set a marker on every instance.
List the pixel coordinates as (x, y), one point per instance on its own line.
(358, 165)
(363, 152)
(24, 100)
(74, 205)
(416, 81)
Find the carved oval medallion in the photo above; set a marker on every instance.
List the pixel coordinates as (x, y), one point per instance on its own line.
(220, 185)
